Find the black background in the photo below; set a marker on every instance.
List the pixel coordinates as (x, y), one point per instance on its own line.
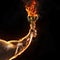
(14, 25)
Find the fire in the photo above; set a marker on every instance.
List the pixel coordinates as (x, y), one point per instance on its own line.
(31, 8)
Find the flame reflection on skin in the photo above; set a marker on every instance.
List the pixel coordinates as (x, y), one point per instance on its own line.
(19, 46)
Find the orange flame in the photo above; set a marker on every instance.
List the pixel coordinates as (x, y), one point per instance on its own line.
(32, 8)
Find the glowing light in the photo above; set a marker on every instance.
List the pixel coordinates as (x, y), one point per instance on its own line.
(32, 8)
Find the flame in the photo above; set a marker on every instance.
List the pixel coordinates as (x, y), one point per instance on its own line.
(31, 8)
